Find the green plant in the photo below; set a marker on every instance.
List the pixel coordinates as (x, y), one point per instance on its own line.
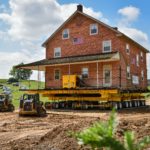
(101, 136)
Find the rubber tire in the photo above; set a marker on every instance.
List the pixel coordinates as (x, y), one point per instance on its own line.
(130, 104)
(120, 105)
(135, 103)
(126, 104)
(138, 104)
(115, 105)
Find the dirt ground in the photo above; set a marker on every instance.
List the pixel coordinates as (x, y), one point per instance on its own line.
(52, 132)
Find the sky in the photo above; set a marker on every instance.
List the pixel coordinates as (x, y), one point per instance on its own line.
(26, 24)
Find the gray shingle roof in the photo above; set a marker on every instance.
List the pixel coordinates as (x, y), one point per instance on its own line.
(73, 59)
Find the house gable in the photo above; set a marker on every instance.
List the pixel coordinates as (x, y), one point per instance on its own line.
(115, 29)
(79, 28)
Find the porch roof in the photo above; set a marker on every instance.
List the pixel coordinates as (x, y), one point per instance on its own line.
(101, 57)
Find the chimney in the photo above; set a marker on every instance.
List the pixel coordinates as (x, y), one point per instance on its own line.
(80, 8)
(115, 28)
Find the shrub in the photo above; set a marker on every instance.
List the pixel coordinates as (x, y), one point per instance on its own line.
(101, 136)
(12, 80)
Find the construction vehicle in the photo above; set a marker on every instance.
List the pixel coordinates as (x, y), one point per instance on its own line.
(30, 104)
(6, 103)
(73, 96)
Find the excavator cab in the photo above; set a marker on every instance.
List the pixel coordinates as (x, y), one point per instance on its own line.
(30, 104)
(6, 103)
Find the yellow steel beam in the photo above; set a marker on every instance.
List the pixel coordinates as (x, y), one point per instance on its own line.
(106, 95)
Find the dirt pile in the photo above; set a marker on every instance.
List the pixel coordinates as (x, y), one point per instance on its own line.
(52, 132)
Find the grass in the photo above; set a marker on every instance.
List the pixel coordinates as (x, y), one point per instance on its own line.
(16, 94)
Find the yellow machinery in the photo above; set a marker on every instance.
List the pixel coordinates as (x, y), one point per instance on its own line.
(75, 95)
(70, 81)
(6, 103)
(31, 105)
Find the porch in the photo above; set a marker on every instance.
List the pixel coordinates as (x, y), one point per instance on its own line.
(94, 71)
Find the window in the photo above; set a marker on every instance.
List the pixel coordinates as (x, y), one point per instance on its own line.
(127, 48)
(57, 74)
(128, 72)
(93, 29)
(107, 75)
(137, 60)
(135, 79)
(106, 46)
(57, 52)
(65, 34)
(142, 75)
(85, 72)
(142, 56)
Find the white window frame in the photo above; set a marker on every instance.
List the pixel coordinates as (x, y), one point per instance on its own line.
(55, 74)
(57, 50)
(128, 72)
(87, 71)
(107, 67)
(137, 60)
(127, 48)
(104, 45)
(142, 75)
(96, 25)
(63, 32)
(135, 79)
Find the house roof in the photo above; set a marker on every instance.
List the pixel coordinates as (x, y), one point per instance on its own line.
(101, 57)
(96, 20)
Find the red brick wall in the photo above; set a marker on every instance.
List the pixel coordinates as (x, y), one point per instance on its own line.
(77, 69)
(130, 59)
(92, 44)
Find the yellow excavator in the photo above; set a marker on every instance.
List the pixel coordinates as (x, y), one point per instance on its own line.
(6, 103)
(30, 104)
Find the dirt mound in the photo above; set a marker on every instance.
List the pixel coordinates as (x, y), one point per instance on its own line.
(56, 138)
(52, 132)
(140, 126)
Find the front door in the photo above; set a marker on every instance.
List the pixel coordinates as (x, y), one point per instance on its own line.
(107, 75)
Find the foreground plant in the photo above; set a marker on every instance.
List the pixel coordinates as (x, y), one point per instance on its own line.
(102, 136)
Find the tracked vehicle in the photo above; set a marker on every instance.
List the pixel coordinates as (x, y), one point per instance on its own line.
(30, 104)
(6, 103)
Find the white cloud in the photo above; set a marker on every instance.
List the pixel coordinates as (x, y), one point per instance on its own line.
(7, 59)
(129, 14)
(136, 35)
(33, 19)
(29, 22)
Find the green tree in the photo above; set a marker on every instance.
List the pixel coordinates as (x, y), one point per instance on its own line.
(101, 136)
(20, 74)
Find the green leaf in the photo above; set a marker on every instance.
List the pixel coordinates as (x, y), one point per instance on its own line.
(129, 140)
(143, 143)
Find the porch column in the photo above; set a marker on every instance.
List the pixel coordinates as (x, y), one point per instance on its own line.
(69, 70)
(69, 74)
(97, 75)
(38, 78)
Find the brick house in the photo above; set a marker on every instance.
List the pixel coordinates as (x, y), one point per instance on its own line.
(100, 55)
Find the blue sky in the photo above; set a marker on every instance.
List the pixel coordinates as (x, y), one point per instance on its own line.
(25, 24)
(110, 7)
